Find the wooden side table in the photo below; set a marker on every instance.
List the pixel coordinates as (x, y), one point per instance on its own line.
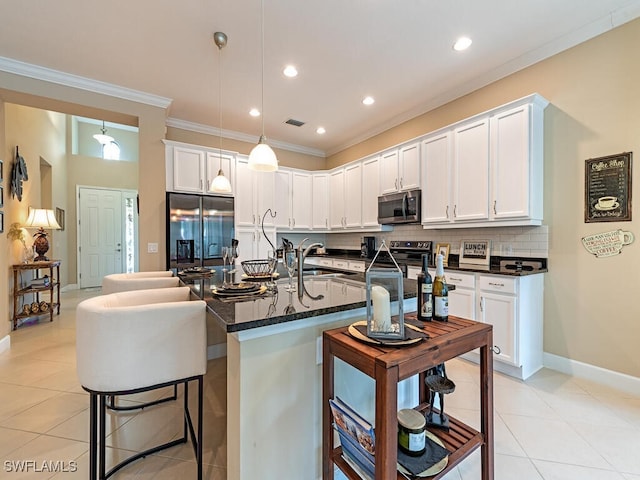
(387, 366)
(20, 291)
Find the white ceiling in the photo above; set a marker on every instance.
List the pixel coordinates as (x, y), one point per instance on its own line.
(399, 51)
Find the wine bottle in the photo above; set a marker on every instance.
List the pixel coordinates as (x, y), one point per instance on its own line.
(440, 293)
(425, 289)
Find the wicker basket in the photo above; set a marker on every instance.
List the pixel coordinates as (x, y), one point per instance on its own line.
(259, 268)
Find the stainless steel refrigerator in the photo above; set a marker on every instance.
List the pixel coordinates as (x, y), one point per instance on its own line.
(198, 226)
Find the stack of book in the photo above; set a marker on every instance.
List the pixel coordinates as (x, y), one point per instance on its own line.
(357, 438)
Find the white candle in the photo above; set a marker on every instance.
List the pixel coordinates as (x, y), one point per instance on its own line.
(381, 308)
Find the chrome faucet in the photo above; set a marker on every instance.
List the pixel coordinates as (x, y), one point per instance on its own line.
(301, 257)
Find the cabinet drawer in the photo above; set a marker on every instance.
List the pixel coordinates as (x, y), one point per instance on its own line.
(356, 266)
(500, 284)
(341, 264)
(325, 262)
(462, 280)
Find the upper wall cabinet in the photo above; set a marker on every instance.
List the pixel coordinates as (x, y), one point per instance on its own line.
(370, 179)
(400, 169)
(487, 170)
(293, 200)
(255, 195)
(191, 168)
(320, 201)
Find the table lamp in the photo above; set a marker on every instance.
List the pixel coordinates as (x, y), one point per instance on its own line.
(41, 218)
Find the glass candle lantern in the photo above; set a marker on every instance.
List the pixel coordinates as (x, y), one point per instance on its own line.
(384, 319)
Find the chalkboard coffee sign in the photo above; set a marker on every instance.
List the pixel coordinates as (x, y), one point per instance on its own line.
(608, 189)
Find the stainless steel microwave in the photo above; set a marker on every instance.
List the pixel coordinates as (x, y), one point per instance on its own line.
(403, 207)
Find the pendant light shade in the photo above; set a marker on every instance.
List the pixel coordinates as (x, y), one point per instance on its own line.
(220, 184)
(262, 157)
(103, 138)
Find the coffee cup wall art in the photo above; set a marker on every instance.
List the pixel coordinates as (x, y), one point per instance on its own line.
(608, 189)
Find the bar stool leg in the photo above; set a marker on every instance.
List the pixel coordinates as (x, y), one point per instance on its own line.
(93, 436)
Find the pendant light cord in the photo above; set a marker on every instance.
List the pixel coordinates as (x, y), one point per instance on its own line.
(220, 100)
(262, 89)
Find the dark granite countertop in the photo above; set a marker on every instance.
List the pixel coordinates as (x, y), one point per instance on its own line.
(494, 267)
(324, 294)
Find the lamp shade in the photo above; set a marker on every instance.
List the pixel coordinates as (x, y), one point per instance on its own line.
(220, 184)
(262, 157)
(42, 218)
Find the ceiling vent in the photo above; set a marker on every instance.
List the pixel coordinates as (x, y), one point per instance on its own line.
(295, 123)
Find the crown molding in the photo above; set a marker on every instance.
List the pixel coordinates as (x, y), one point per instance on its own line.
(242, 137)
(37, 72)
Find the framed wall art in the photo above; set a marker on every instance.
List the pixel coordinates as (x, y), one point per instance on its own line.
(60, 217)
(1, 196)
(1, 222)
(607, 188)
(443, 249)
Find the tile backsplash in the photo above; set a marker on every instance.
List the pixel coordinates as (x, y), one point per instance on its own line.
(505, 241)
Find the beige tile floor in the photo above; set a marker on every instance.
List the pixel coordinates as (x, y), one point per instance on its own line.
(551, 427)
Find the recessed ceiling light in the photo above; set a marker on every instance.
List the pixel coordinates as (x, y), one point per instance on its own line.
(290, 71)
(320, 130)
(368, 100)
(462, 44)
(254, 112)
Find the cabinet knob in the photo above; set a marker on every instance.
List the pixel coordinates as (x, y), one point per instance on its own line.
(447, 212)
(495, 211)
(455, 211)
(496, 349)
(395, 183)
(401, 183)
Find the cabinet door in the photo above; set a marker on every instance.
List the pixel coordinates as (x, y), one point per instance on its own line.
(436, 179)
(510, 164)
(462, 303)
(409, 167)
(245, 198)
(389, 172)
(336, 202)
(500, 311)
(471, 171)
(188, 169)
(353, 195)
(320, 204)
(370, 183)
(213, 164)
(264, 186)
(247, 245)
(262, 244)
(301, 196)
(282, 200)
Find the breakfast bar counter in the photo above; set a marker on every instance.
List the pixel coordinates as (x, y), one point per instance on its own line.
(274, 369)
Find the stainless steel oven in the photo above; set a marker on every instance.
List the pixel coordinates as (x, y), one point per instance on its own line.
(403, 207)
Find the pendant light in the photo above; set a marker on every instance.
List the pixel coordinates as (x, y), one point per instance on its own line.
(221, 183)
(103, 138)
(262, 157)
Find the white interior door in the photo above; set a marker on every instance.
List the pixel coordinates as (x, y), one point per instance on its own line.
(100, 235)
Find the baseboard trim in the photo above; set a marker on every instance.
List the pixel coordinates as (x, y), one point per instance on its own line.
(218, 350)
(69, 286)
(5, 343)
(616, 380)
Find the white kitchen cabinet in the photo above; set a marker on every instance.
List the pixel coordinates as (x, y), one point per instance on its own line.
(252, 244)
(487, 170)
(213, 163)
(293, 199)
(462, 300)
(514, 306)
(346, 197)
(370, 191)
(336, 202)
(301, 200)
(400, 169)
(471, 171)
(255, 194)
(320, 201)
(436, 178)
(192, 168)
(353, 195)
(517, 162)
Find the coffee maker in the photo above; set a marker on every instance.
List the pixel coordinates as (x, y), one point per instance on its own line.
(368, 247)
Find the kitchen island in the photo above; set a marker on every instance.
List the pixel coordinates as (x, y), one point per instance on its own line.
(274, 371)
